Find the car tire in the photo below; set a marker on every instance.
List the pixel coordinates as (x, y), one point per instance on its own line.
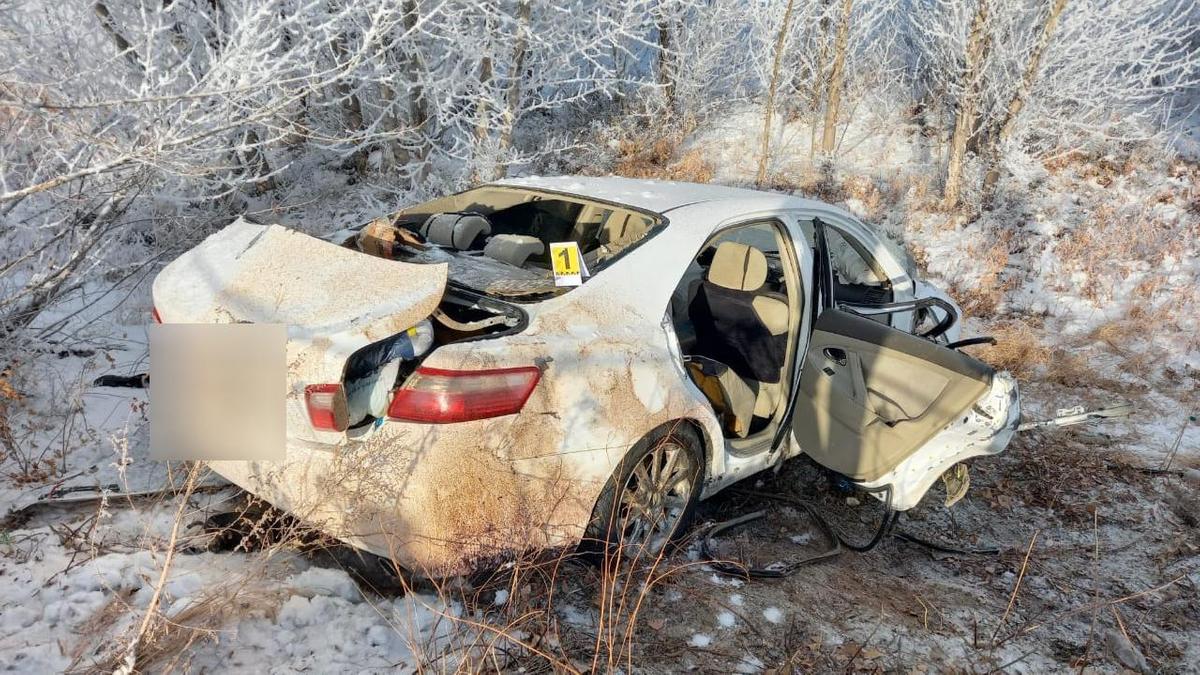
(621, 521)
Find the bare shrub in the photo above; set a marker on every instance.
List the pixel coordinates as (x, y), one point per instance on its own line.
(648, 156)
(992, 284)
(1018, 349)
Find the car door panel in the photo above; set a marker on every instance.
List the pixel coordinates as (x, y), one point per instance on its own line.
(871, 396)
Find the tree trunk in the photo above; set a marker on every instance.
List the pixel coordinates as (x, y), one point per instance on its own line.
(666, 61)
(418, 107)
(512, 99)
(482, 115)
(255, 162)
(764, 157)
(1009, 123)
(964, 122)
(820, 79)
(351, 105)
(834, 100)
(123, 46)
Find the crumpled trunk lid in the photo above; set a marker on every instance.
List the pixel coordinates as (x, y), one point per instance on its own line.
(333, 300)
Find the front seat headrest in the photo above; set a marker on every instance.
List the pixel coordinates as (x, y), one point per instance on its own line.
(738, 267)
(455, 230)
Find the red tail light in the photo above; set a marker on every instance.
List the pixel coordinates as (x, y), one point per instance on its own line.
(154, 313)
(326, 406)
(437, 396)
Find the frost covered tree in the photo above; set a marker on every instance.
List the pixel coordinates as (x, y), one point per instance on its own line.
(815, 59)
(1046, 78)
(148, 121)
(108, 103)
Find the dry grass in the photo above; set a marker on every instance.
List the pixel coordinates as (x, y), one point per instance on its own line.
(8, 396)
(526, 631)
(167, 646)
(870, 194)
(656, 154)
(1018, 349)
(1101, 170)
(1109, 244)
(122, 638)
(993, 284)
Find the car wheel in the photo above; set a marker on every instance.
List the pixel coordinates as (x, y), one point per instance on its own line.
(651, 496)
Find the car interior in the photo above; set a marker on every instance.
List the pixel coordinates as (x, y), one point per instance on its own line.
(514, 226)
(732, 312)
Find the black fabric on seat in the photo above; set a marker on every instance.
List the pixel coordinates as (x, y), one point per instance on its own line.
(728, 330)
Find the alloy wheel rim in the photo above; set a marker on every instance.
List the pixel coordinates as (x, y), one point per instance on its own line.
(654, 497)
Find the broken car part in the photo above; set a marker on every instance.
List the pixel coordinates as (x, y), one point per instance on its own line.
(137, 381)
(1066, 417)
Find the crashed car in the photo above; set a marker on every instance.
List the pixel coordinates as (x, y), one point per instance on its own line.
(457, 397)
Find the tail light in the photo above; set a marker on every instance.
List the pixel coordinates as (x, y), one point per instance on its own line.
(154, 313)
(437, 396)
(327, 408)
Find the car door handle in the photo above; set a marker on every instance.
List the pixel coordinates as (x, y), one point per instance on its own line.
(836, 354)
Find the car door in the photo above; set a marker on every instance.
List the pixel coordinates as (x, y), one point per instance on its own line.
(872, 397)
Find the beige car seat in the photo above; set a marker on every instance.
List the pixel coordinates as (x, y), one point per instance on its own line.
(744, 327)
(513, 249)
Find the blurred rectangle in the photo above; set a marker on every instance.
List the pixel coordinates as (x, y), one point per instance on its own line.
(218, 391)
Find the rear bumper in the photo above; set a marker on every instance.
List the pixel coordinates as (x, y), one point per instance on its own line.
(438, 500)
(986, 429)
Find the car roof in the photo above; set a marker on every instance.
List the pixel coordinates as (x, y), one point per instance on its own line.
(657, 196)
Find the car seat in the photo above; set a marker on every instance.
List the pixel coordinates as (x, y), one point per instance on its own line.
(737, 322)
(741, 325)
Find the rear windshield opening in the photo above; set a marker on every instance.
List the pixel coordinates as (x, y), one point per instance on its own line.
(497, 239)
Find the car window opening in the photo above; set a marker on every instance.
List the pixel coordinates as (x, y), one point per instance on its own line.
(858, 278)
(732, 313)
(496, 240)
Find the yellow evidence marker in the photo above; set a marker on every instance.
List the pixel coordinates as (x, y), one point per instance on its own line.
(567, 264)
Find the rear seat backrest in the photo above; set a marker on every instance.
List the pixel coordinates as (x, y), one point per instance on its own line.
(514, 249)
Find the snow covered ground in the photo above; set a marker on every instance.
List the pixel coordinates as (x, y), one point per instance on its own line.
(1087, 272)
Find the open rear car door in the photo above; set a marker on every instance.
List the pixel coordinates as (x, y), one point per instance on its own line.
(893, 411)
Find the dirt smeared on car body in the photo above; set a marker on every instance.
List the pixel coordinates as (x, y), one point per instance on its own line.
(437, 499)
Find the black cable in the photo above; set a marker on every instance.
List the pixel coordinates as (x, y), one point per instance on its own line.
(942, 548)
(889, 520)
(775, 570)
(836, 541)
(985, 340)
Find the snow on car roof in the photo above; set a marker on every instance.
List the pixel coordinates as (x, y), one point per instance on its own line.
(648, 195)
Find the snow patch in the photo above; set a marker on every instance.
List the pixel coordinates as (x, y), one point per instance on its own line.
(726, 619)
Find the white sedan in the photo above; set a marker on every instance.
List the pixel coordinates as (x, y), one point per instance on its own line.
(543, 361)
